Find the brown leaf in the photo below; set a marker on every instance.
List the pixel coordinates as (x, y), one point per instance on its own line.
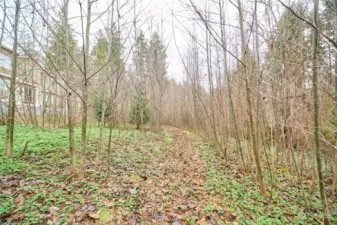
(109, 203)
(94, 216)
(20, 200)
(230, 216)
(53, 210)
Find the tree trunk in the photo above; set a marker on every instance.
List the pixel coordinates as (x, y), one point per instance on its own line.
(84, 132)
(316, 125)
(101, 128)
(110, 138)
(71, 134)
(230, 98)
(12, 89)
(43, 106)
(211, 93)
(259, 174)
(85, 93)
(334, 165)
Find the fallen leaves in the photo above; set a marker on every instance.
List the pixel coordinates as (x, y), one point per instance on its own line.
(135, 185)
(9, 181)
(139, 185)
(94, 215)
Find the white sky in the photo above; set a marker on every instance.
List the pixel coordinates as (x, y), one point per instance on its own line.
(153, 16)
(167, 17)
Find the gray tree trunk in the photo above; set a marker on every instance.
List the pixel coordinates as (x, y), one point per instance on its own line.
(334, 165)
(85, 93)
(316, 125)
(12, 89)
(259, 172)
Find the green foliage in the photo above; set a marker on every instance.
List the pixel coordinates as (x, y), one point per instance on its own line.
(7, 204)
(168, 137)
(242, 197)
(140, 114)
(98, 107)
(140, 54)
(108, 49)
(100, 50)
(49, 142)
(63, 47)
(157, 57)
(12, 166)
(44, 179)
(328, 127)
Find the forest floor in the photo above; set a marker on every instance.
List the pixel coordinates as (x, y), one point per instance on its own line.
(167, 177)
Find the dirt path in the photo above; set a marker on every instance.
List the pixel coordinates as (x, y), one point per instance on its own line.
(174, 191)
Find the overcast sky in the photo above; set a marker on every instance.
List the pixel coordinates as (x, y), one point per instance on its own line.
(172, 19)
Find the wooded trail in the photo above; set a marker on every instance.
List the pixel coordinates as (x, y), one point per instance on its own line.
(170, 189)
(165, 177)
(175, 187)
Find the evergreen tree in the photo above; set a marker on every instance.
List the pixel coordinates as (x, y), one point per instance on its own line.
(107, 50)
(157, 70)
(100, 52)
(140, 114)
(98, 108)
(140, 61)
(62, 46)
(157, 56)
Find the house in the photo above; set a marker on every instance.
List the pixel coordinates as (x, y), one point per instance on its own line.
(36, 93)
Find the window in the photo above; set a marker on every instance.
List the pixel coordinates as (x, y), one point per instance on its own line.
(5, 61)
(47, 99)
(4, 88)
(28, 72)
(29, 94)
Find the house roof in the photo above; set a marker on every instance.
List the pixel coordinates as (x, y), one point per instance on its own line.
(5, 75)
(6, 48)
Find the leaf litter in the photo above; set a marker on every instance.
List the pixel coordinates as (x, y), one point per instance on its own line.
(168, 177)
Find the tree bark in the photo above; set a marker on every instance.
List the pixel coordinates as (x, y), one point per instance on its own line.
(259, 174)
(230, 98)
(12, 89)
(316, 125)
(101, 128)
(71, 135)
(85, 93)
(334, 165)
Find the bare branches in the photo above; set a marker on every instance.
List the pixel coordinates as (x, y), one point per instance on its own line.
(314, 26)
(212, 32)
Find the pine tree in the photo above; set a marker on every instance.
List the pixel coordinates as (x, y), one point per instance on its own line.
(98, 108)
(140, 114)
(140, 61)
(157, 70)
(62, 44)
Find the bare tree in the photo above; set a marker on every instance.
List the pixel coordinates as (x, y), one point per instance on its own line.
(12, 89)
(316, 114)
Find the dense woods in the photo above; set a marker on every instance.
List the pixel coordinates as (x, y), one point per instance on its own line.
(256, 87)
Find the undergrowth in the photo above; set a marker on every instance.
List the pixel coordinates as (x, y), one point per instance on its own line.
(240, 195)
(36, 182)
